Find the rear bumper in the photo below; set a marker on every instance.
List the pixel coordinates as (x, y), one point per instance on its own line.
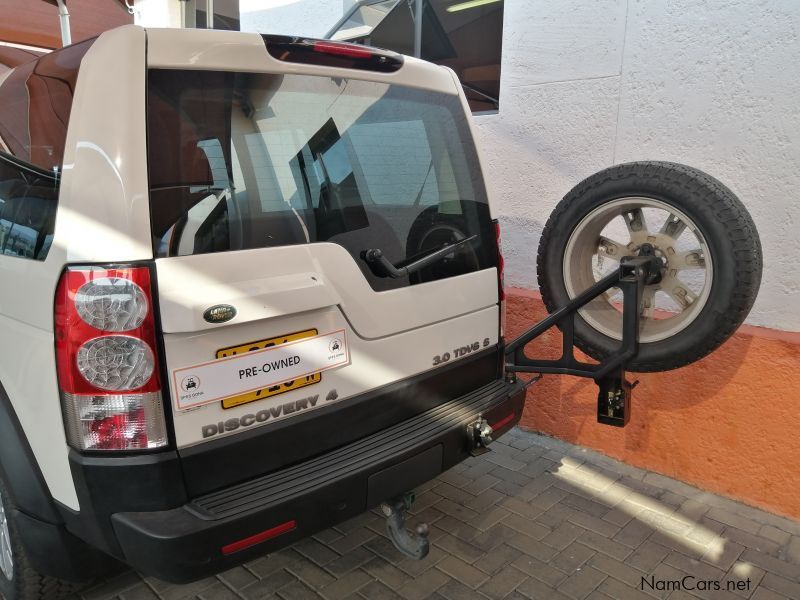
(186, 543)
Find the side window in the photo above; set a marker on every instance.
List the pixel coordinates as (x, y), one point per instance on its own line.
(36, 101)
(28, 200)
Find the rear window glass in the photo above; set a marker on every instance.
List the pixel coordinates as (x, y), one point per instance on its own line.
(240, 161)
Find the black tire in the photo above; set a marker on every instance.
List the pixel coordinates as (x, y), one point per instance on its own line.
(725, 224)
(431, 230)
(26, 583)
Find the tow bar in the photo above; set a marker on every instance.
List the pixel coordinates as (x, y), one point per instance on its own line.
(415, 545)
(614, 394)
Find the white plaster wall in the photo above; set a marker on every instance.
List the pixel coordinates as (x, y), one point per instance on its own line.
(157, 13)
(714, 84)
(312, 18)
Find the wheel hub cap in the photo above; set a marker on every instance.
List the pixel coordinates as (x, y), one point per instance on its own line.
(636, 226)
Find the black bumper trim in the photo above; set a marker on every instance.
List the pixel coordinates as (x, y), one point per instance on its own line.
(217, 464)
(271, 489)
(184, 544)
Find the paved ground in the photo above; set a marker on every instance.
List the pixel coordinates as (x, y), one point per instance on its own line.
(535, 518)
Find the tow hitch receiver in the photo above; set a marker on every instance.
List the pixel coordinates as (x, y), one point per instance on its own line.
(613, 399)
(479, 436)
(414, 545)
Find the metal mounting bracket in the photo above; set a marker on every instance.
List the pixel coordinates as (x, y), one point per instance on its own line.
(613, 407)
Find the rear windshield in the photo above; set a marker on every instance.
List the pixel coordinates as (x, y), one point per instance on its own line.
(241, 160)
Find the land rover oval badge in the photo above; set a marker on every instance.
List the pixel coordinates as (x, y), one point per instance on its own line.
(219, 313)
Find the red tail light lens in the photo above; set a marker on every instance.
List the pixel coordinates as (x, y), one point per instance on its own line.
(107, 359)
(332, 54)
(342, 49)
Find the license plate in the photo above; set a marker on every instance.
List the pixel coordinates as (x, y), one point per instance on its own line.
(281, 388)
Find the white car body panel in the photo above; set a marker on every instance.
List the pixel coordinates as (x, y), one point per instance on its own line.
(373, 362)
(103, 210)
(306, 277)
(27, 370)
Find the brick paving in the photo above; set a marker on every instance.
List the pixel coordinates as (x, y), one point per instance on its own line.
(533, 519)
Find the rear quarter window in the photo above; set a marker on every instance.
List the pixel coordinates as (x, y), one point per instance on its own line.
(28, 200)
(35, 107)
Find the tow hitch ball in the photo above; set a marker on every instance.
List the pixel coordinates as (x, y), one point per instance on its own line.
(415, 545)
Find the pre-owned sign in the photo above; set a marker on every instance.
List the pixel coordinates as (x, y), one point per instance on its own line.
(223, 378)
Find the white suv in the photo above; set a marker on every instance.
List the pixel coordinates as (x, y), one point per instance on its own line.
(250, 288)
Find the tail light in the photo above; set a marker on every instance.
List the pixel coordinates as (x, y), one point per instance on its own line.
(332, 54)
(501, 275)
(107, 359)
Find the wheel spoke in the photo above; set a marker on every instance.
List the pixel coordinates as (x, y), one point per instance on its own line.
(691, 259)
(609, 248)
(636, 224)
(598, 243)
(648, 302)
(679, 292)
(673, 227)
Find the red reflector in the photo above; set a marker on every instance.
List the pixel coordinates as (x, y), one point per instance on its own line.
(351, 50)
(260, 537)
(503, 422)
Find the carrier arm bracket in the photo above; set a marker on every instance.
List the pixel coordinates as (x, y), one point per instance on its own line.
(614, 391)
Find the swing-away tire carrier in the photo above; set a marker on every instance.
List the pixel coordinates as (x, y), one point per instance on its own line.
(613, 399)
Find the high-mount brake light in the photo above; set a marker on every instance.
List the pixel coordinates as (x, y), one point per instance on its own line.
(342, 49)
(328, 53)
(107, 359)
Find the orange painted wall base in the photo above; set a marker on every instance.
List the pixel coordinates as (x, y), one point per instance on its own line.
(729, 423)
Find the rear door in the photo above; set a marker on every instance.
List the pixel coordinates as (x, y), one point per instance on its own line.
(267, 190)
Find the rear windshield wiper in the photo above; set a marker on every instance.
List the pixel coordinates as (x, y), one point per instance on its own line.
(381, 266)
